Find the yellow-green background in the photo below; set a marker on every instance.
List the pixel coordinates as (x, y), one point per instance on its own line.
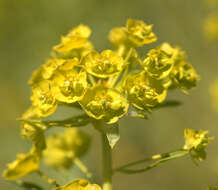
(28, 30)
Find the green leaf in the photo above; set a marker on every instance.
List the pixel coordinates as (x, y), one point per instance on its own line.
(113, 134)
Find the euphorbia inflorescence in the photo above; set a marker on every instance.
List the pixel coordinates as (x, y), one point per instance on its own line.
(105, 86)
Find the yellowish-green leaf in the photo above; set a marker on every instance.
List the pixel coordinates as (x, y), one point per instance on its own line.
(23, 165)
(79, 184)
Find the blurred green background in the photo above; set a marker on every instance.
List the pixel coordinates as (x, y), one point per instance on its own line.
(28, 30)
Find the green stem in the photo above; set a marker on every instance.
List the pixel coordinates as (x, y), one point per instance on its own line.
(160, 157)
(107, 163)
(47, 179)
(82, 167)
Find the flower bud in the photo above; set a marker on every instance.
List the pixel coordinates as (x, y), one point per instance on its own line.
(139, 33)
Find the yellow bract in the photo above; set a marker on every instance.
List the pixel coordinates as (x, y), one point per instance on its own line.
(104, 103)
(144, 91)
(196, 141)
(136, 34)
(24, 164)
(118, 36)
(53, 65)
(43, 99)
(103, 65)
(69, 86)
(62, 148)
(159, 62)
(214, 94)
(184, 76)
(139, 33)
(35, 134)
(194, 138)
(211, 27)
(79, 184)
(76, 39)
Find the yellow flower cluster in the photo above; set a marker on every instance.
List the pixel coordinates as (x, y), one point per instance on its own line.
(196, 142)
(106, 83)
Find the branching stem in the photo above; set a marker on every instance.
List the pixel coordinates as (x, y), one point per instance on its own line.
(161, 158)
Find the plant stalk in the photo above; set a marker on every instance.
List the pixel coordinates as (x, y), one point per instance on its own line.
(106, 163)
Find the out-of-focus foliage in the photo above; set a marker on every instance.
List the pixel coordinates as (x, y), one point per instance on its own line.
(211, 27)
(63, 148)
(214, 94)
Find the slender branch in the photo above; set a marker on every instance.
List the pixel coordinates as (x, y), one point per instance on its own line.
(47, 179)
(91, 79)
(76, 121)
(113, 80)
(162, 158)
(82, 167)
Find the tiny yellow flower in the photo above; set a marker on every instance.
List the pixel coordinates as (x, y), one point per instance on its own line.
(139, 33)
(23, 165)
(103, 65)
(184, 76)
(62, 148)
(47, 70)
(51, 66)
(144, 91)
(36, 77)
(196, 142)
(43, 99)
(69, 86)
(77, 38)
(79, 184)
(159, 62)
(104, 103)
(211, 27)
(135, 34)
(214, 94)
